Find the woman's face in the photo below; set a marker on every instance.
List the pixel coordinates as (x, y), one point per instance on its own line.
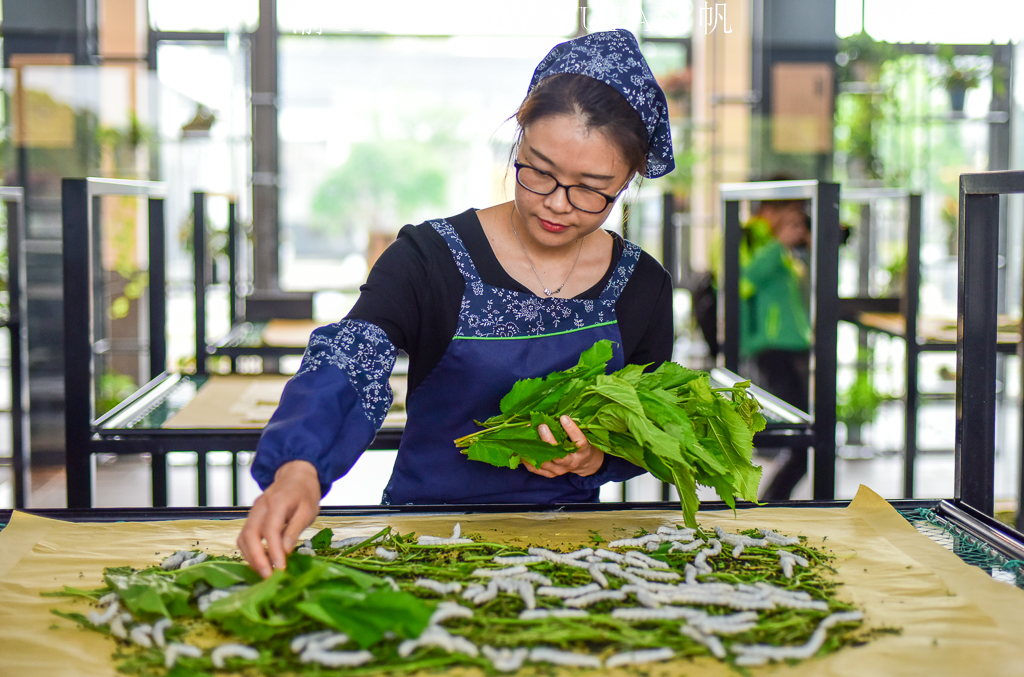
(563, 147)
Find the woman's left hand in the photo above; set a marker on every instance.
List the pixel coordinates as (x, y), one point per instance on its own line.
(585, 462)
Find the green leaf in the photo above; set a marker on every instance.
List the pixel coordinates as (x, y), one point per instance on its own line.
(217, 574)
(366, 617)
(150, 595)
(322, 540)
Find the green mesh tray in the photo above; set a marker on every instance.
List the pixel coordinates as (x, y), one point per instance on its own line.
(965, 546)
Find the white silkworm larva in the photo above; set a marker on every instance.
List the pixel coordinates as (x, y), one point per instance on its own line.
(391, 582)
(539, 614)
(594, 597)
(533, 577)
(173, 651)
(713, 644)
(505, 660)
(489, 593)
(337, 659)
(634, 542)
(739, 539)
(674, 531)
(564, 593)
(97, 618)
(301, 551)
(108, 598)
(779, 539)
(435, 635)
(652, 546)
(598, 576)
(686, 547)
(653, 574)
(802, 651)
(786, 565)
(300, 642)
(649, 561)
(327, 643)
(198, 559)
(714, 547)
(665, 613)
(577, 554)
(472, 591)
(737, 551)
(158, 631)
(174, 561)
(690, 574)
(438, 587)
(226, 651)
(542, 654)
(786, 554)
(434, 540)
(609, 555)
(639, 657)
(632, 561)
(385, 554)
(495, 573)
(140, 635)
(117, 628)
(517, 559)
(457, 530)
(448, 610)
(307, 543)
(349, 542)
(527, 595)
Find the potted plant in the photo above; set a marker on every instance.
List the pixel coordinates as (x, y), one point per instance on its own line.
(957, 77)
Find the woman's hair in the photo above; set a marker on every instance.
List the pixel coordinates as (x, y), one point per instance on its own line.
(599, 105)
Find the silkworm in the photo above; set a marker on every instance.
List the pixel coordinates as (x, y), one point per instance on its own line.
(350, 541)
(786, 554)
(649, 561)
(505, 660)
(140, 635)
(632, 561)
(700, 562)
(327, 643)
(686, 547)
(564, 593)
(594, 597)
(634, 542)
(527, 595)
(300, 642)
(307, 543)
(673, 531)
(539, 614)
(337, 659)
(713, 644)
(449, 610)
(714, 547)
(779, 539)
(457, 530)
(647, 599)
(496, 573)
(108, 598)
(577, 554)
(158, 631)
(302, 551)
(593, 559)
(434, 540)
(690, 574)
(739, 539)
(489, 593)
(385, 554)
(654, 575)
(517, 559)
(533, 577)
(639, 657)
(173, 651)
(174, 561)
(556, 557)
(652, 546)
(665, 613)
(435, 635)
(786, 565)
(802, 651)
(438, 587)
(391, 582)
(206, 600)
(609, 555)
(97, 618)
(598, 576)
(472, 591)
(198, 559)
(542, 654)
(225, 651)
(117, 628)
(737, 550)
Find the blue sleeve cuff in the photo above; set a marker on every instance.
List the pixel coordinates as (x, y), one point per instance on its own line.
(333, 406)
(614, 469)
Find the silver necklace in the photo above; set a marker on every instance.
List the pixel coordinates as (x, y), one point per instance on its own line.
(546, 290)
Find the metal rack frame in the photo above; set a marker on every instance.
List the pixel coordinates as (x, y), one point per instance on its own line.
(16, 323)
(976, 345)
(824, 315)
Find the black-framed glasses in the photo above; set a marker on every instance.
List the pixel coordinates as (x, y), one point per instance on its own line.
(581, 197)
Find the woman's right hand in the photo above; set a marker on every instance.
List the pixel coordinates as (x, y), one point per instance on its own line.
(279, 515)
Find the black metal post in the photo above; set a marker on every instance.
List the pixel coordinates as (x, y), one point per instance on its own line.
(75, 206)
(729, 288)
(669, 240)
(202, 490)
(976, 338)
(157, 289)
(232, 265)
(911, 305)
(16, 328)
(158, 477)
(825, 259)
(199, 262)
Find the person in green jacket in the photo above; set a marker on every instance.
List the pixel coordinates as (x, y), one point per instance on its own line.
(775, 332)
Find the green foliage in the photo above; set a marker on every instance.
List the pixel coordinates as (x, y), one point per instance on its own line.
(670, 422)
(858, 404)
(956, 72)
(115, 387)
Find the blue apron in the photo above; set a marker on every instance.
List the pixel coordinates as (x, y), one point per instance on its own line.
(503, 336)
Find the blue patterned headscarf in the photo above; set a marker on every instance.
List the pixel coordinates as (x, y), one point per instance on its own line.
(614, 58)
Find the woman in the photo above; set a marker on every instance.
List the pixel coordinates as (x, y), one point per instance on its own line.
(481, 300)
